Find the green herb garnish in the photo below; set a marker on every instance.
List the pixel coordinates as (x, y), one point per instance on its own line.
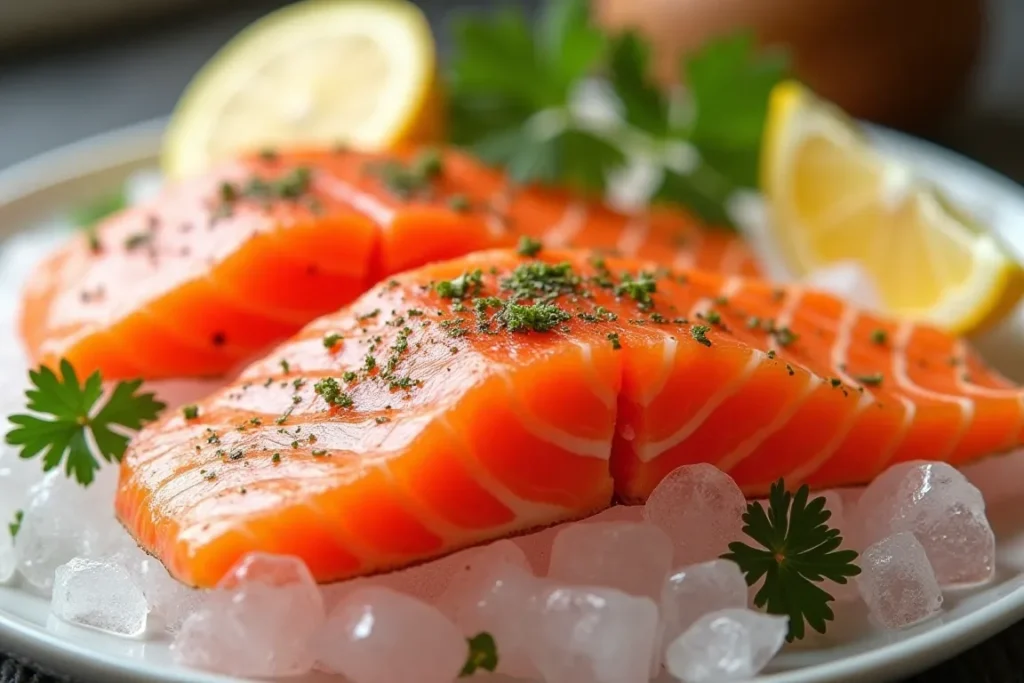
(538, 317)
(528, 246)
(798, 550)
(15, 526)
(73, 409)
(613, 337)
(512, 91)
(190, 411)
(879, 336)
(407, 181)
(329, 389)
(870, 380)
(483, 654)
(331, 339)
(699, 334)
(467, 284)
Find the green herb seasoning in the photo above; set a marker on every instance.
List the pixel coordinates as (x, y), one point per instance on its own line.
(467, 284)
(331, 340)
(329, 389)
(879, 337)
(639, 288)
(190, 412)
(713, 317)
(528, 246)
(870, 380)
(537, 317)
(459, 203)
(699, 334)
(613, 337)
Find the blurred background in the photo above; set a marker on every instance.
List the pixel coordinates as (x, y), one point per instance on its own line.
(948, 70)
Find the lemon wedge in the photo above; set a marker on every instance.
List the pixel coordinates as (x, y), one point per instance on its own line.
(833, 198)
(320, 72)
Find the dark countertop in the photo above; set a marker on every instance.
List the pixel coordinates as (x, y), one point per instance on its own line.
(135, 74)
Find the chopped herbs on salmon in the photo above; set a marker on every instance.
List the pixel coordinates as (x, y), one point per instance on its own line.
(190, 412)
(613, 337)
(459, 203)
(879, 337)
(528, 246)
(329, 389)
(541, 281)
(467, 284)
(784, 336)
(409, 181)
(639, 288)
(537, 317)
(713, 317)
(699, 334)
(870, 380)
(331, 340)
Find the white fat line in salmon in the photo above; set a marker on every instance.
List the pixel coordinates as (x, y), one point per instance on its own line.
(634, 234)
(608, 398)
(525, 511)
(562, 233)
(577, 445)
(362, 202)
(904, 332)
(650, 451)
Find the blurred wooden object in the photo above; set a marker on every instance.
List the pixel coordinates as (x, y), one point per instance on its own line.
(28, 23)
(904, 63)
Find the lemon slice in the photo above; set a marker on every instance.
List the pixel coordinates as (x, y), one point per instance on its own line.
(833, 198)
(321, 72)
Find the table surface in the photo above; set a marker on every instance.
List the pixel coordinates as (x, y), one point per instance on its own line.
(52, 99)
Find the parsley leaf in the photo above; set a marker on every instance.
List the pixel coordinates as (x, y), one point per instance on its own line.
(483, 654)
(513, 104)
(15, 526)
(730, 83)
(798, 551)
(79, 432)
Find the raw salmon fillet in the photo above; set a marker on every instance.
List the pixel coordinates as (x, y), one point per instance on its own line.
(221, 267)
(493, 394)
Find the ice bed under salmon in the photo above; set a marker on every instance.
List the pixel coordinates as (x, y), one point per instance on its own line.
(494, 394)
(216, 269)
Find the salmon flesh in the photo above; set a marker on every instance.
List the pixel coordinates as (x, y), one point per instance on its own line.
(221, 267)
(494, 394)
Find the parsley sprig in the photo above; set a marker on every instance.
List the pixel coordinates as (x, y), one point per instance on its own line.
(798, 551)
(515, 103)
(80, 428)
(483, 654)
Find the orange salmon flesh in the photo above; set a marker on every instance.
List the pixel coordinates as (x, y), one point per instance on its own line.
(221, 267)
(494, 394)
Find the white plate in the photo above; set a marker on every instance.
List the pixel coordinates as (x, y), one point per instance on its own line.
(40, 192)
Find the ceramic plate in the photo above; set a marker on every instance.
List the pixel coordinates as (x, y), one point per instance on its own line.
(37, 195)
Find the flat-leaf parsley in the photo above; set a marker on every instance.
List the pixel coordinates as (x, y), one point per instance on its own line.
(81, 428)
(798, 551)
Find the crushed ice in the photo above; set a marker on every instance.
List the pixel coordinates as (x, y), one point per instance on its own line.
(562, 604)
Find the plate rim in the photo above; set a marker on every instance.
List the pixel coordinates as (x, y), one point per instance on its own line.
(139, 143)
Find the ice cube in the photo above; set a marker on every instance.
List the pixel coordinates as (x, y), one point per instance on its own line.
(631, 557)
(58, 525)
(727, 645)
(99, 594)
(493, 594)
(377, 635)
(691, 592)
(259, 622)
(700, 508)
(942, 509)
(897, 582)
(8, 558)
(836, 505)
(591, 635)
(170, 602)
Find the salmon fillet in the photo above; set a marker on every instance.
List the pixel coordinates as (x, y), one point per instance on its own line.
(494, 394)
(219, 268)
